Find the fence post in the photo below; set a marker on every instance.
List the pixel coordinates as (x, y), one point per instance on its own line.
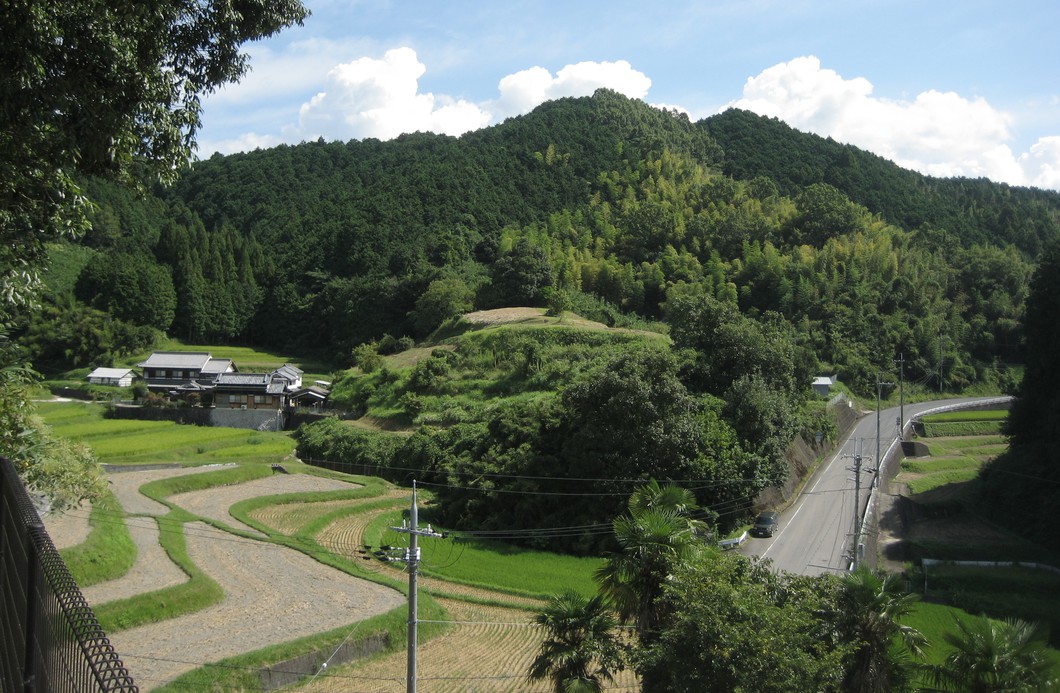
(33, 576)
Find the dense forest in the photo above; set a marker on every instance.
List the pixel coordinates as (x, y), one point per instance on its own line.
(766, 255)
(323, 246)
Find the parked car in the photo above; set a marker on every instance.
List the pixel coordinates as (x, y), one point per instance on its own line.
(765, 525)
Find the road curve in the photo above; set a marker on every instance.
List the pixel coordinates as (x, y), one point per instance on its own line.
(816, 532)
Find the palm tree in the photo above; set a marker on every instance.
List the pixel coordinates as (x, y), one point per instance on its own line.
(871, 604)
(580, 650)
(658, 532)
(993, 656)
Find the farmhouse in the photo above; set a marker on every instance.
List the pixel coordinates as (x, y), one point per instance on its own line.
(250, 391)
(169, 370)
(122, 377)
(184, 373)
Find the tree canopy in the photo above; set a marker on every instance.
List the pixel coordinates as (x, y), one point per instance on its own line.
(108, 89)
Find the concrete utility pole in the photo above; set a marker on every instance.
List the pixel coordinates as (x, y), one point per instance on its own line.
(413, 558)
(942, 381)
(858, 444)
(879, 393)
(901, 396)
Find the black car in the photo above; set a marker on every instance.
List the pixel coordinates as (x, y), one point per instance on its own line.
(765, 525)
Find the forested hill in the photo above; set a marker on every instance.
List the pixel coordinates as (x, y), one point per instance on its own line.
(965, 210)
(419, 187)
(603, 204)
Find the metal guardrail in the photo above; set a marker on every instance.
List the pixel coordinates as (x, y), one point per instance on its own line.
(733, 543)
(49, 638)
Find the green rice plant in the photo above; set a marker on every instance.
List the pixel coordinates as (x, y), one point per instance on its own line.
(999, 592)
(491, 565)
(123, 441)
(942, 478)
(968, 415)
(108, 552)
(265, 450)
(935, 621)
(55, 413)
(952, 445)
(961, 428)
(935, 465)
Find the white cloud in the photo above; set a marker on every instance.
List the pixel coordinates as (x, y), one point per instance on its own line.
(1042, 163)
(937, 133)
(381, 98)
(246, 142)
(524, 90)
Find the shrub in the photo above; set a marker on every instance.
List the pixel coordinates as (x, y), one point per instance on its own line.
(367, 358)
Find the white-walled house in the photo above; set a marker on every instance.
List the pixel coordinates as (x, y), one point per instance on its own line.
(122, 377)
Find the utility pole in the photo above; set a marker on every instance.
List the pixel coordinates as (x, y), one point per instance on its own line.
(942, 336)
(857, 507)
(879, 393)
(901, 395)
(413, 558)
(858, 444)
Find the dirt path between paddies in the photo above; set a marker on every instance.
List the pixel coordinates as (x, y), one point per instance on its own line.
(272, 595)
(214, 503)
(71, 527)
(152, 570)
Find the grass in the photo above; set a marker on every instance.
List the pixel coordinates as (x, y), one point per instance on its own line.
(941, 478)
(198, 593)
(953, 460)
(934, 621)
(491, 565)
(947, 481)
(108, 552)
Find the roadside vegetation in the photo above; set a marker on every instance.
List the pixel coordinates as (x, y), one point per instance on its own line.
(946, 520)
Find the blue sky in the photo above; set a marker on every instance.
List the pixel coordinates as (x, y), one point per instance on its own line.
(946, 87)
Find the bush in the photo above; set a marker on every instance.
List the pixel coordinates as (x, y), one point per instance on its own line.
(367, 358)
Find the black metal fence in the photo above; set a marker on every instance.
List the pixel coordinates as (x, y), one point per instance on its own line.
(49, 637)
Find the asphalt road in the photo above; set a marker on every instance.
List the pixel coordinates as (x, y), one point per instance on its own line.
(816, 533)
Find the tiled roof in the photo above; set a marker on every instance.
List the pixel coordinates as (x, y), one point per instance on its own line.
(242, 379)
(177, 359)
(289, 371)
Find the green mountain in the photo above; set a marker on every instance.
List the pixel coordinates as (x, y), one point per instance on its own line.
(764, 255)
(967, 211)
(603, 203)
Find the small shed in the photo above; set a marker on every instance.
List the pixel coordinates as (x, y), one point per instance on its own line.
(312, 396)
(122, 377)
(822, 384)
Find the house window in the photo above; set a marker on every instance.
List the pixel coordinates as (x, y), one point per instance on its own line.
(260, 399)
(237, 399)
(162, 373)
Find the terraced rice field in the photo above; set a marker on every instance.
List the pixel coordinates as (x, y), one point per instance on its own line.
(274, 594)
